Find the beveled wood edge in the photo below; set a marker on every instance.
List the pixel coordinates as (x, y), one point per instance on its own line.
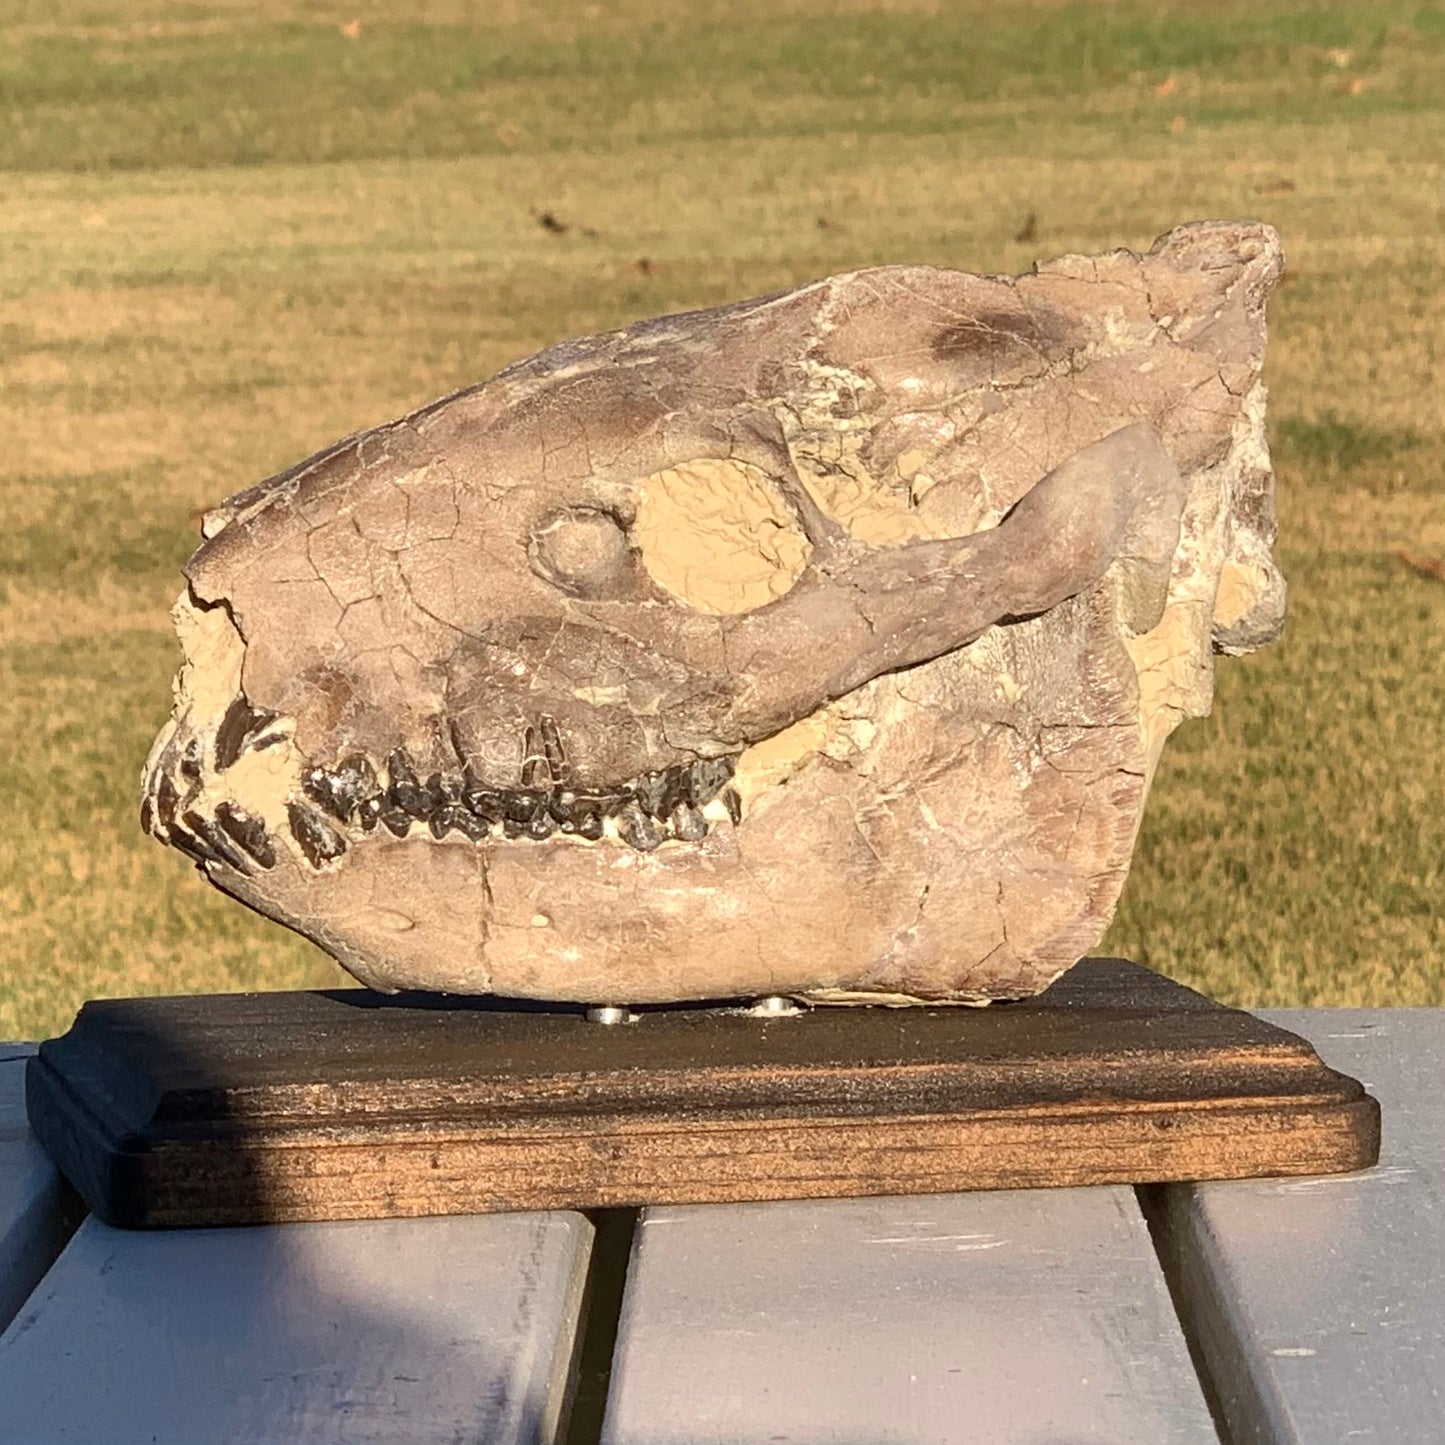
(406, 1183)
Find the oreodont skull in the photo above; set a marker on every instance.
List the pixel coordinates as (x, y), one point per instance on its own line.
(820, 644)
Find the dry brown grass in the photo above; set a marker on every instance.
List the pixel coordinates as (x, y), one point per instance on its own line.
(170, 333)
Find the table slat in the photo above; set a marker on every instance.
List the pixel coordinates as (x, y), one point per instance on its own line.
(32, 1229)
(1319, 1304)
(425, 1330)
(1021, 1316)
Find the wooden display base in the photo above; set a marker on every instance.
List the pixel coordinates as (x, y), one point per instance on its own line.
(259, 1108)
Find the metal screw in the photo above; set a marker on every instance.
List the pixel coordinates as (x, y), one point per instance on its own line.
(774, 1006)
(610, 1013)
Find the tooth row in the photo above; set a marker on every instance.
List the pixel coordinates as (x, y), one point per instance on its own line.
(643, 812)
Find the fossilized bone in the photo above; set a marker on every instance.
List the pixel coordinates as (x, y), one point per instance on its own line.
(818, 644)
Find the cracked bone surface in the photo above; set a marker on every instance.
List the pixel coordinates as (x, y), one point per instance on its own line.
(823, 644)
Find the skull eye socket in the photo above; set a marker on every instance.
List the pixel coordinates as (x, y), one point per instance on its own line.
(585, 552)
(718, 535)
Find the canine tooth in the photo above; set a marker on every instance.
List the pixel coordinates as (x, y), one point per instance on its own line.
(734, 804)
(318, 840)
(239, 725)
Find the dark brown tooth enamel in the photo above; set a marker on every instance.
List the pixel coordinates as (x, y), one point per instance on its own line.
(638, 830)
(191, 761)
(318, 840)
(650, 789)
(571, 808)
(705, 779)
(220, 845)
(488, 804)
(552, 749)
(455, 815)
(658, 793)
(368, 814)
(536, 772)
(469, 825)
(194, 848)
(734, 804)
(688, 823)
(238, 726)
(524, 805)
(247, 833)
(405, 790)
(395, 821)
(342, 789)
(147, 814)
(168, 799)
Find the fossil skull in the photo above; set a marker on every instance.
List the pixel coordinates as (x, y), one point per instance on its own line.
(819, 644)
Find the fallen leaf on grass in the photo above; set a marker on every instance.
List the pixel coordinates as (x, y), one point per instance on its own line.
(1425, 566)
(1029, 231)
(1167, 86)
(351, 29)
(1277, 187)
(550, 222)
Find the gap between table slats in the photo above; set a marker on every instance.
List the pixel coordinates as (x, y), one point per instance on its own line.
(1039, 1317)
(38, 1212)
(1317, 1306)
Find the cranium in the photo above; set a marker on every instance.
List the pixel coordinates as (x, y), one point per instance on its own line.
(821, 644)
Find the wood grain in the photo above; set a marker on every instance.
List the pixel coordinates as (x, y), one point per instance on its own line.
(255, 1108)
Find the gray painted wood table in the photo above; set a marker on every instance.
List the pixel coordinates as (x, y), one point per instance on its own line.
(1303, 1310)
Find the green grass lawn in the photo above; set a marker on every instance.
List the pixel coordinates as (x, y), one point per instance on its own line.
(229, 234)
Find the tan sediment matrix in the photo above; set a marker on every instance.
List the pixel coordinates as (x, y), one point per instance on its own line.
(823, 644)
(718, 535)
